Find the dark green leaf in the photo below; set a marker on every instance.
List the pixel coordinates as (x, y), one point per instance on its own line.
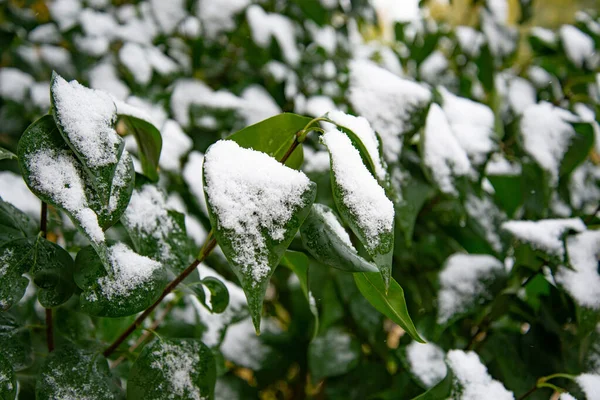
(14, 224)
(15, 342)
(121, 290)
(86, 119)
(392, 305)
(13, 264)
(75, 373)
(440, 391)
(579, 148)
(299, 264)
(507, 192)
(326, 240)
(414, 195)
(7, 155)
(149, 141)
(8, 380)
(219, 295)
(333, 353)
(274, 136)
(176, 368)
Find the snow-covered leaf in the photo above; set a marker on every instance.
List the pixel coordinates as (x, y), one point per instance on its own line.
(361, 201)
(131, 283)
(73, 373)
(173, 368)
(324, 236)
(15, 342)
(256, 206)
(390, 303)
(426, 363)
(333, 353)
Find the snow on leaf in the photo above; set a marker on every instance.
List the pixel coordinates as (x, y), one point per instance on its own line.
(426, 362)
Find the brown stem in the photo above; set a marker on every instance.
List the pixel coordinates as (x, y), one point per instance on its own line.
(528, 393)
(170, 287)
(44, 219)
(49, 330)
(290, 151)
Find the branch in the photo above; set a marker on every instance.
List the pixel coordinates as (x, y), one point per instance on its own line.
(49, 322)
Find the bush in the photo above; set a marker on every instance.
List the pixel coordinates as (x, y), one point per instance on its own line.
(431, 202)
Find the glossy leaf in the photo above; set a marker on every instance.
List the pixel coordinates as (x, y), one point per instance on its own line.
(326, 240)
(112, 293)
(392, 304)
(13, 264)
(70, 372)
(174, 368)
(299, 264)
(8, 380)
(440, 391)
(579, 148)
(219, 295)
(274, 137)
(14, 224)
(414, 195)
(15, 342)
(93, 116)
(149, 141)
(334, 353)
(7, 155)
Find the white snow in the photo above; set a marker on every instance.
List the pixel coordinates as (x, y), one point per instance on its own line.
(265, 26)
(433, 66)
(583, 282)
(487, 214)
(544, 235)
(584, 189)
(160, 62)
(219, 15)
(442, 153)
(539, 76)
(133, 57)
(104, 77)
(56, 175)
(175, 144)
(426, 362)
(168, 14)
(462, 282)
(57, 58)
(64, 12)
(317, 106)
(387, 101)
(46, 33)
(469, 39)
(359, 190)
(472, 124)
(97, 24)
(474, 378)
(498, 165)
(190, 27)
(251, 193)
(502, 39)
(579, 46)
(192, 175)
(258, 104)
(334, 223)
(521, 94)
(40, 95)
(315, 161)
(362, 129)
(590, 384)
(546, 135)
(129, 271)
(544, 34)
(243, 347)
(13, 190)
(14, 84)
(87, 117)
(566, 396)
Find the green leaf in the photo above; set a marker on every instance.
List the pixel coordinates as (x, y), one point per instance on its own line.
(8, 380)
(13, 257)
(70, 372)
(256, 206)
(507, 192)
(7, 155)
(361, 201)
(298, 263)
(219, 295)
(579, 148)
(175, 368)
(334, 353)
(52, 271)
(157, 232)
(131, 284)
(15, 342)
(14, 224)
(149, 141)
(414, 195)
(86, 120)
(392, 305)
(440, 391)
(327, 241)
(274, 136)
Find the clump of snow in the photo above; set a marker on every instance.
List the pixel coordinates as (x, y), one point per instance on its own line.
(463, 281)
(46, 33)
(120, 181)
(472, 124)
(469, 39)
(433, 66)
(259, 104)
(243, 347)
(168, 14)
(360, 192)
(590, 384)
(583, 281)
(442, 153)
(265, 26)
(175, 144)
(192, 175)
(56, 175)
(133, 57)
(426, 362)
(251, 193)
(544, 34)
(129, 271)
(486, 214)
(539, 76)
(13, 190)
(219, 15)
(387, 101)
(498, 165)
(104, 77)
(474, 379)
(501, 39)
(315, 106)
(361, 128)
(315, 161)
(546, 135)
(179, 364)
(566, 396)
(87, 117)
(334, 223)
(65, 13)
(545, 235)
(14, 84)
(584, 187)
(579, 46)
(521, 94)
(40, 95)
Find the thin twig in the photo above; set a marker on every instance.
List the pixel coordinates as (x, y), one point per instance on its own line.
(49, 324)
(529, 392)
